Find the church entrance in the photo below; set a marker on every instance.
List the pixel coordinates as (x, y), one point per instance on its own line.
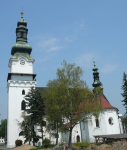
(78, 138)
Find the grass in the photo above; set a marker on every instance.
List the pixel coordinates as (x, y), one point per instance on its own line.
(86, 144)
(81, 144)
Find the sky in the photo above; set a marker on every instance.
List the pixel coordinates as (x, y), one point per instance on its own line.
(73, 30)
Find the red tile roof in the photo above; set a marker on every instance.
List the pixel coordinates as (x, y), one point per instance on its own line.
(105, 103)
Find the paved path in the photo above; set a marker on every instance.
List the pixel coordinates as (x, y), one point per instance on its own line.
(4, 148)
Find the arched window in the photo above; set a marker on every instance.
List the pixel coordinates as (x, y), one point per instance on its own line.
(23, 92)
(97, 123)
(23, 105)
(21, 133)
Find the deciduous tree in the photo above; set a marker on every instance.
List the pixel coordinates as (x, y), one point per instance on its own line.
(69, 97)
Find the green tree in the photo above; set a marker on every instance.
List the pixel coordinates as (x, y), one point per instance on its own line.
(3, 129)
(124, 88)
(70, 97)
(35, 109)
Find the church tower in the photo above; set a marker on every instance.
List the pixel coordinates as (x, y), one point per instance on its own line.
(19, 81)
(96, 82)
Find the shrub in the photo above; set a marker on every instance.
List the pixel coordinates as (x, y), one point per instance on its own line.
(81, 144)
(18, 143)
(46, 142)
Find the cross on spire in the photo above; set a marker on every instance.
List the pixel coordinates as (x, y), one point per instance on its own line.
(22, 14)
(93, 61)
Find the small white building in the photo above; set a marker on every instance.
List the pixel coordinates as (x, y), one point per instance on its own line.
(2, 140)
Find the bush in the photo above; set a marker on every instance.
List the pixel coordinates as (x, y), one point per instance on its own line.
(81, 144)
(46, 142)
(18, 143)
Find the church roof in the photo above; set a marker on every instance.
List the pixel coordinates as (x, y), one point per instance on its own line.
(105, 103)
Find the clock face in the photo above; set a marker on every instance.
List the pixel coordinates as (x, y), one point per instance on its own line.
(22, 62)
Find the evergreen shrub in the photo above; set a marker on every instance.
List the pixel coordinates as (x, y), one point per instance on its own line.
(18, 143)
(46, 142)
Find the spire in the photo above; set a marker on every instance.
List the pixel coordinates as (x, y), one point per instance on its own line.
(96, 82)
(21, 45)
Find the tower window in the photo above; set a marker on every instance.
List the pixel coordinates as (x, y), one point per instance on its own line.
(97, 123)
(23, 92)
(23, 105)
(22, 34)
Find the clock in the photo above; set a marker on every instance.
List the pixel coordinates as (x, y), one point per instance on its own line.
(22, 62)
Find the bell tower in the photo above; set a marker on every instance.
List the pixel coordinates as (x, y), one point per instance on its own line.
(19, 81)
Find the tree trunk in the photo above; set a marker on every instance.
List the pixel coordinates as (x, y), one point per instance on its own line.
(57, 136)
(70, 136)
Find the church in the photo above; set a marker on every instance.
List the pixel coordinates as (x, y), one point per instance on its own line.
(21, 78)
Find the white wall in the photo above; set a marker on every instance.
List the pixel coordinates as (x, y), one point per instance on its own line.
(16, 67)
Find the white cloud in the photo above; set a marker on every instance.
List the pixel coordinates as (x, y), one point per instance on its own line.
(108, 68)
(50, 44)
(85, 60)
(74, 31)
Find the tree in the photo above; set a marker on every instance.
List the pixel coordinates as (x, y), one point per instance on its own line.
(124, 88)
(70, 97)
(3, 129)
(35, 109)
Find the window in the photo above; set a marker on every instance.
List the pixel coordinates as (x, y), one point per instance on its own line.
(22, 34)
(23, 92)
(23, 105)
(110, 120)
(97, 123)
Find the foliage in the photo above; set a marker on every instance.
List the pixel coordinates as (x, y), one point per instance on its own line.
(82, 144)
(69, 97)
(3, 129)
(18, 143)
(46, 142)
(124, 88)
(35, 110)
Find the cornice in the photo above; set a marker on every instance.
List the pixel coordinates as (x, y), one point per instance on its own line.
(21, 83)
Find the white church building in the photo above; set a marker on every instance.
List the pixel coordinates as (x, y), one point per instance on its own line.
(21, 79)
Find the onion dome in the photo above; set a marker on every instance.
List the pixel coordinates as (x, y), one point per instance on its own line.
(21, 45)
(96, 82)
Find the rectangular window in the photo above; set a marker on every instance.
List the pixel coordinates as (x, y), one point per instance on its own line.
(97, 123)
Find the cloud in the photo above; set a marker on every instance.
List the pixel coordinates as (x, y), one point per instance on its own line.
(74, 31)
(50, 44)
(108, 68)
(85, 60)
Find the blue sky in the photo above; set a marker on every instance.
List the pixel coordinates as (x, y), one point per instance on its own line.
(71, 30)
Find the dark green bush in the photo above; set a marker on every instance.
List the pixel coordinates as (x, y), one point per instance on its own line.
(18, 143)
(46, 142)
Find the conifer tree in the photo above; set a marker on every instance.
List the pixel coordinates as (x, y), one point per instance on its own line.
(34, 108)
(124, 88)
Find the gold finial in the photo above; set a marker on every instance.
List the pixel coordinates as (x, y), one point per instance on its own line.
(93, 61)
(22, 14)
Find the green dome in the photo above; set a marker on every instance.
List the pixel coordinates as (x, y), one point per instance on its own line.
(21, 48)
(21, 45)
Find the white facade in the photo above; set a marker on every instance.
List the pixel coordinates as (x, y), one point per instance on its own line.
(20, 78)
(84, 131)
(1, 140)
